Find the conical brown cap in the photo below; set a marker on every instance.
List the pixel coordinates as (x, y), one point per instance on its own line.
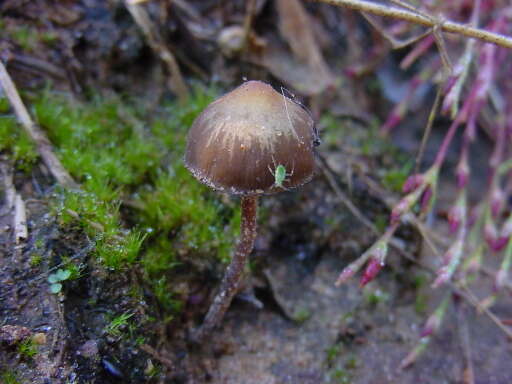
(237, 142)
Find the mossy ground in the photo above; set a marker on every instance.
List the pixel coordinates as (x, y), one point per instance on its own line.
(137, 202)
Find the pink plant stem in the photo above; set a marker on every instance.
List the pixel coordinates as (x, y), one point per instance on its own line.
(421, 48)
(429, 21)
(378, 250)
(475, 100)
(443, 149)
(499, 147)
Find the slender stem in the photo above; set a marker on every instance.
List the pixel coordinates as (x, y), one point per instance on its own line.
(428, 129)
(249, 16)
(231, 280)
(405, 14)
(443, 149)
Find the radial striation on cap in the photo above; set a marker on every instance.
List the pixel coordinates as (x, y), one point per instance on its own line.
(237, 142)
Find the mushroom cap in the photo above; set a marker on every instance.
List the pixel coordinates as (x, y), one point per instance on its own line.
(239, 140)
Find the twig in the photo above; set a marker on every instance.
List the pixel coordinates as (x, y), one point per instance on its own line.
(468, 374)
(158, 356)
(249, 16)
(13, 201)
(38, 64)
(155, 41)
(411, 218)
(35, 133)
(19, 220)
(464, 292)
(428, 128)
(408, 6)
(435, 31)
(474, 301)
(344, 198)
(395, 43)
(60, 337)
(414, 17)
(432, 236)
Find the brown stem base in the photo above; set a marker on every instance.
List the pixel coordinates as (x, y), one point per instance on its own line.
(233, 276)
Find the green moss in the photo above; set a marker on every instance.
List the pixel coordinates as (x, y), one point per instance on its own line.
(115, 247)
(96, 145)
(75, 270)
(48, 37)
(27, 348)
(421, 301)
(137, 202)
(375, 297)
(4, 104)
(35, 259)
(341, 376)
(160, 257)
(179, 204)
(117, 252)
(332, 354)
(171, 304)
(301, 315)
(395, 178)
(15, 141)
(26, 37)
(381, 222)
(8, 377)
(341, 365)
(118, 324)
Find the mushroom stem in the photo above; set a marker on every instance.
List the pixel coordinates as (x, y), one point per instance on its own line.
(233, 276)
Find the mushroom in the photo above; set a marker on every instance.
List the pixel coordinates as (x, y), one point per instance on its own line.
(249, 142)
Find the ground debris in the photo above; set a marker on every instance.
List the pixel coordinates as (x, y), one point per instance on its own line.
(20, 220)
(13, 334)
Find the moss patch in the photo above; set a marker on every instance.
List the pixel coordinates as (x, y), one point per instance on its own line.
(16, 143)
(137, 202)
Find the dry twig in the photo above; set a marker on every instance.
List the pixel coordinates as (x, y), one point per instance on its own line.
(473, 300)
(19, 220)
(395, 43)
(13, 203)
(35, 133)
(428, 128)
(344, 198)
(468, 375)
(428, 21)
(158, 356)
(155, 41)
(248, 20)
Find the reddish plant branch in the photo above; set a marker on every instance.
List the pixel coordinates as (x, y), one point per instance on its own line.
(426, 20)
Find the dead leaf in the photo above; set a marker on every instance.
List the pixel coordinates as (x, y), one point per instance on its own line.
(296, 27)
